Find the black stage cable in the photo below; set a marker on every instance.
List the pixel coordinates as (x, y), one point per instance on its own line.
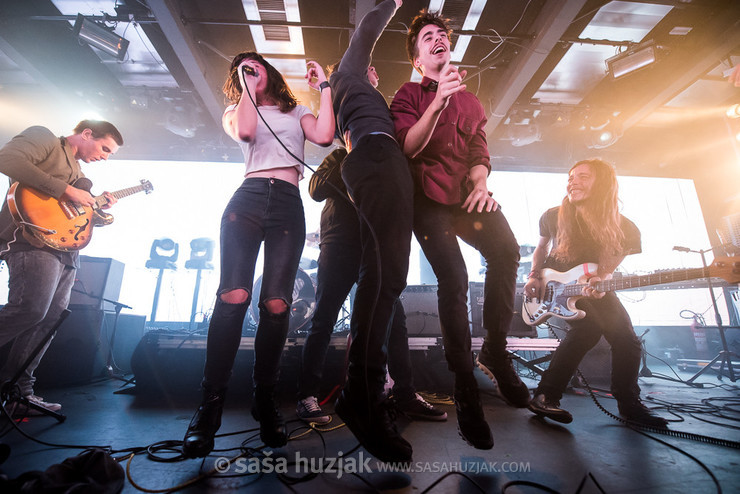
(639, 428)
(448, 474)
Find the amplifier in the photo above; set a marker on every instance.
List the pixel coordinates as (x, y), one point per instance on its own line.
(422, 313)
(97, 279)
(517, 328)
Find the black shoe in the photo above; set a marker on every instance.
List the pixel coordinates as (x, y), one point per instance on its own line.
(471, 422)
(198, 440)
(272, 425)
(635, 412)
(545, 407)
(502, 372)
(417, 408)
(374, 428)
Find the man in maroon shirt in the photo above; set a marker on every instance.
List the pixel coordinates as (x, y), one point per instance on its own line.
(440, 129)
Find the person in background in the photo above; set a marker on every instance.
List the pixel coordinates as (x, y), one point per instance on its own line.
(267, 209)
(587, 227)
(41, 278)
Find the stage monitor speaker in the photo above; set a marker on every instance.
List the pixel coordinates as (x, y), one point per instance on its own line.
(79, 351)
(517, 328)
(422, 313)
(98, 278)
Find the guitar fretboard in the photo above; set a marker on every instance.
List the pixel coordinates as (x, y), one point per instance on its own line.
(128, 191)
(119, 194)
(627, 282)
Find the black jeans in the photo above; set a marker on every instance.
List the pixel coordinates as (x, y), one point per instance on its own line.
(261, 210)
(339, 264)
(437, 227)
(604, 317)
(379, 182)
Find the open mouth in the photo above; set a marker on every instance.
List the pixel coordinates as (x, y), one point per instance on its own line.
(439, 49)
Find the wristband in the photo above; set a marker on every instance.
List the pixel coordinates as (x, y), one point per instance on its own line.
(535, 275)
(324, 85)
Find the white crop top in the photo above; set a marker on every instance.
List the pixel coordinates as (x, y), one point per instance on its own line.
(265, 152)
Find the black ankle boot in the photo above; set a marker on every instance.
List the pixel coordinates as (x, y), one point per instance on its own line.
(471, 422)
(272, 425)
(198, 440)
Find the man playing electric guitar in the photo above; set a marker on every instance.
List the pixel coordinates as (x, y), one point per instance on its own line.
(587, 227)
(41, 278)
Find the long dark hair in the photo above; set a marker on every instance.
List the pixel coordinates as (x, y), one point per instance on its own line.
(277, 89)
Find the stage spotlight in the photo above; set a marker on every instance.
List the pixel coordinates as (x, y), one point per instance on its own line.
(100, 37)
(632, 59)
(163, 254)
(602, 137)
(201, 253)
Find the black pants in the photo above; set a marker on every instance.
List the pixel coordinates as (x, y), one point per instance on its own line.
(604, 317)
(379, 182)
(437, 227)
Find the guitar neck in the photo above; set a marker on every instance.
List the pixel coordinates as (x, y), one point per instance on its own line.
(627, 282)
(119, 194)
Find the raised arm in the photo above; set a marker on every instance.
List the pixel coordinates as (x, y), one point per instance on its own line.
(319, 130)
(420, 133)
(357, 57)
(241, 122)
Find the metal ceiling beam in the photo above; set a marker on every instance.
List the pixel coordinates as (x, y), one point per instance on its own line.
(26, 66)
(183, 42)
(549, 27)
(695, 68)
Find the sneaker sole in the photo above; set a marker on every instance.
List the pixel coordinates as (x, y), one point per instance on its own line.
(323, 419)
(556, 417)
(490, 376)
(427, 418)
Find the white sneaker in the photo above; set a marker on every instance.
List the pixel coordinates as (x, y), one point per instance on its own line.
(54, 407)
(308, 410)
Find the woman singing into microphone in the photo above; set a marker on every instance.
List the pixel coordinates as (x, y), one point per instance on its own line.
(266, 208)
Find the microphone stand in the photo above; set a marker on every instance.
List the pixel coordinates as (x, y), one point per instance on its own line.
(646, 372)
(724, 357)
(110, 366)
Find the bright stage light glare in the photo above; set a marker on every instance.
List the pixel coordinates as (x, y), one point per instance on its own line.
(733, 111)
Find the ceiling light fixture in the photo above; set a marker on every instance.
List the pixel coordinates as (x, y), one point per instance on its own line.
(632, 59)
(100, 37)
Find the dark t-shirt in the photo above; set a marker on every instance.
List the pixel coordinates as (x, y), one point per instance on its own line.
(585, 248)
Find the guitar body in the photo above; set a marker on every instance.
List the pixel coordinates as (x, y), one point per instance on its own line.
(57, 224)
(555, 302)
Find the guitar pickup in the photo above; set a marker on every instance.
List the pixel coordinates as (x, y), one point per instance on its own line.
(71, 210)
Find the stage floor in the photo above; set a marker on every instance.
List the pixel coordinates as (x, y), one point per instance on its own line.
(594, 450)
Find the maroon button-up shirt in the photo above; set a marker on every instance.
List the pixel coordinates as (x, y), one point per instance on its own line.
(458, 142)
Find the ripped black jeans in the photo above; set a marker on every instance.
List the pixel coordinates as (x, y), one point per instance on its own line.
(261, 210)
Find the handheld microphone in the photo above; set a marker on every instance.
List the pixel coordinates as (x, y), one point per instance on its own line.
(681, 249)
(247, 70)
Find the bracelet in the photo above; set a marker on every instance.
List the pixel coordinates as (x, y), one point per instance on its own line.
(535, 275)
(324, 85)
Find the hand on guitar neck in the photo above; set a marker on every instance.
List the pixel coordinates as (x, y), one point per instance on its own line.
(82, 197)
